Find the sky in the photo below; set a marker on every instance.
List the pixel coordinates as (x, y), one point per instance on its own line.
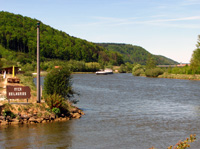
(163, 27)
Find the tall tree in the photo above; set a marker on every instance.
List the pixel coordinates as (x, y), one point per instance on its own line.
(195, 60)
(151, 62)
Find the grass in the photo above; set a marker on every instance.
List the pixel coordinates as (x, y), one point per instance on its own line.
(27, 81)
(180, 76)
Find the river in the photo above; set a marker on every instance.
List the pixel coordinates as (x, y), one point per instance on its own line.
(122, 111)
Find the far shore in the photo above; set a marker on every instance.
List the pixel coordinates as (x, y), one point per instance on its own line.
(180, 76)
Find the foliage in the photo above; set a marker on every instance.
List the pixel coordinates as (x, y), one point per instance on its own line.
(54, 101)
(122, 68)
(56, 111)
(18, 34)
(57, 104)
(154, 72)
(182, 144)
(92, 66)
(181, 70)
(195, 60)
(135, 54)
(58, 81)
(137, 70)
(7, 111)
(27, 80)
(150, 63)
(1, 64)
(129, 67)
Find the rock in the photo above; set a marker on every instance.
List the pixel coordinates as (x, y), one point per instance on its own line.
(4, 123)
(21, 121)
(26, 117)
(67, 118)
(74, 110)
(76, 115)
(15, 121)
(2, 118)
(32, 119)
(52, 116)
(82, 113)
(8, 119)
(39, 120)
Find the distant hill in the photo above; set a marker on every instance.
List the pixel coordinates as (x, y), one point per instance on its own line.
(136, 54)
(19, 34)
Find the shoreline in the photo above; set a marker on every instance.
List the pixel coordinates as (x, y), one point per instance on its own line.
(18, 111)
(194, 77)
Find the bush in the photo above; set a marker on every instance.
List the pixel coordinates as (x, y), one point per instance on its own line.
(56, 111)
(122, 68)
(92, 66)
(27, 74)
(57, 104)
(155, 72)
(8, 113)
(7, 110)
(58, 81)
(137, 70)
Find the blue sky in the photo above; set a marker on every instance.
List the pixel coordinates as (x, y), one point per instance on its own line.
(163, 27)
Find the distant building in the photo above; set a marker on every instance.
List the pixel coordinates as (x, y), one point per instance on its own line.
(182, 65)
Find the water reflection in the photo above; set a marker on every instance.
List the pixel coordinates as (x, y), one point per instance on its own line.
(54, 135)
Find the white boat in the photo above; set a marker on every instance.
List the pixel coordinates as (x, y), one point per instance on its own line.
(104, 72)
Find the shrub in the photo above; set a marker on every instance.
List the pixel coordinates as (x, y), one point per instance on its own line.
(122, 68)
(58, 82)
(182, 144)
(137, 70)
(92, 66)
(27, 74)
(155, 72)
(56, 111)
(8, 113)
(57, 104)
(54, 101)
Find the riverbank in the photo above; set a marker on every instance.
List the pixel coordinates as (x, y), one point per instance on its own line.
(180, 76)
(19, 111)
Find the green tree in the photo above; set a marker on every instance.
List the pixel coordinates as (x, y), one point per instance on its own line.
(1, 64)
(58, 81)
(137, 70)
(150, 63)
(195, 60)
(122, 68)
(153, 72)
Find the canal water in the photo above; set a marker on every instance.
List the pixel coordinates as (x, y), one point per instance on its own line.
(122, 111)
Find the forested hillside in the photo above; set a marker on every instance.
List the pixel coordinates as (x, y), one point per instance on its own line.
(19, 34)
(135, 54)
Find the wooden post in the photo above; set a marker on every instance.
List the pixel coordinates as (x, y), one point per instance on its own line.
(38, 62)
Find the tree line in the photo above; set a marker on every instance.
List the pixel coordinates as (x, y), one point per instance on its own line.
(18, 34)
(136, 54)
